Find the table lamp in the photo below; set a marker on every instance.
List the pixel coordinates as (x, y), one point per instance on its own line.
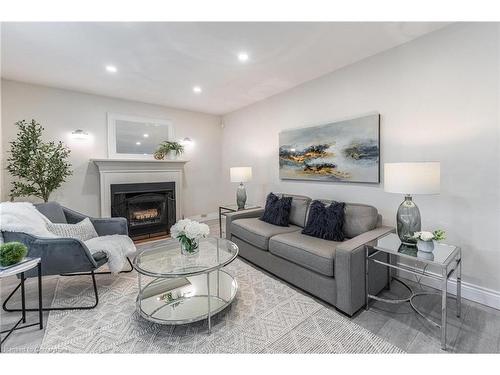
(408, 179)
(241, 175)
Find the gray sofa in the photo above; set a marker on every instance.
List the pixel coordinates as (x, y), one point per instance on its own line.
(332, 271)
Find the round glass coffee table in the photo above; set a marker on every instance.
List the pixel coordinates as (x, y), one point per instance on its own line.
(182, 289)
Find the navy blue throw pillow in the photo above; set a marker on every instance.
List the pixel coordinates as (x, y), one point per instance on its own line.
(277, 210)
(326, 222)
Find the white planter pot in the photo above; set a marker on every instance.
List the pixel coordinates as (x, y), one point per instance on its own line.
(171, 155)
(425, 246)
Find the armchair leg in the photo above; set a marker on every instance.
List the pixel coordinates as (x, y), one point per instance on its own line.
(96, 294)
(100, 273)
(126, 271)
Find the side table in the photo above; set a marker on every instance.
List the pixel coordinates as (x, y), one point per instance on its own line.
(20, 268)
(446, 258)
(224, 209)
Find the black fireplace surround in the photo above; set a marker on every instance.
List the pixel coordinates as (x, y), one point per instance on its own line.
(148, 207)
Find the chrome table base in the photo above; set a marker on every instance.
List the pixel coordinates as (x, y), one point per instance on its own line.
(409, 299)
(456, 268)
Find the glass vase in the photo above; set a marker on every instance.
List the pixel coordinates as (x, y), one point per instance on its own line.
(190, 247)
(408, 221)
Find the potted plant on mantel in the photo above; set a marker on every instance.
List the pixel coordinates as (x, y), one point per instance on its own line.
(169, 149)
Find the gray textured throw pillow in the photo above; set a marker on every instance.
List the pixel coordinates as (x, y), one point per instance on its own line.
(83, 231)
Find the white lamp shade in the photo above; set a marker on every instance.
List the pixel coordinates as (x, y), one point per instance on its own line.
(412, 178)
(241, 174)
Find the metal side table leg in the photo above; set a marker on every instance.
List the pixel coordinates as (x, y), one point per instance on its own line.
(459, 286)
(220, 222)
(389, 272)
(40, 308)
(367, 292)
(208, 299)
(23, 297)
(443, 308)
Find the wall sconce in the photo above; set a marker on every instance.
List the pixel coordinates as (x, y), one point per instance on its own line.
(79, 134)
(186, 141)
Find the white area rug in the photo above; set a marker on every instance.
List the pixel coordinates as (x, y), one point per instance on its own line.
(267, 316)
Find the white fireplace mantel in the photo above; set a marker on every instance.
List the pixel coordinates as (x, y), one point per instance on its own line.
(129, 171)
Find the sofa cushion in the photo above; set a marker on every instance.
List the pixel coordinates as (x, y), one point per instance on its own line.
(52, 211)
(359, 218)
(277, 210)
(258, 232)
(298, 212)
(310, 252)
(326, 222)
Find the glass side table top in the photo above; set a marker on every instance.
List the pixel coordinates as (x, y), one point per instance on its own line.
(441, 255)
(234, 207)
(24, 265)
(166, 259)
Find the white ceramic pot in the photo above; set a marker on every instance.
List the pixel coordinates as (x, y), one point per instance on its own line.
(425, 246)
(171, 155)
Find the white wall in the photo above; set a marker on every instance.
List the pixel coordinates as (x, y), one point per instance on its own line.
(438, 100)
(62, 111)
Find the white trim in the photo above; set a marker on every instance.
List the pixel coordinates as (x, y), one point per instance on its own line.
(124, 171)
(112, 117)
(208, 217)
(484, 296)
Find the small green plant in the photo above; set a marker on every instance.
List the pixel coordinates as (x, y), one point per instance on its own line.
(40, 167)
(12, 253)
(165, 147)
(439, 235)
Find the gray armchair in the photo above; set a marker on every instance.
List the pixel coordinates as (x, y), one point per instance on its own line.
(66, 256)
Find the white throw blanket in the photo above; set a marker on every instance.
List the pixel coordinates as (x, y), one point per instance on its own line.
(25, 218)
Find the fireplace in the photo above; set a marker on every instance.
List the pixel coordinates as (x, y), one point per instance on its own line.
(148, 207)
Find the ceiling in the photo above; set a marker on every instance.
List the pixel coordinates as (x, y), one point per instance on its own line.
(161, 62)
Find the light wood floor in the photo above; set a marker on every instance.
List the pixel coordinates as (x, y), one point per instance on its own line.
(478, 331)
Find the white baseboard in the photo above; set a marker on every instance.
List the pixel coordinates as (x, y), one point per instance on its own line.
(207, 217)
(484, 296)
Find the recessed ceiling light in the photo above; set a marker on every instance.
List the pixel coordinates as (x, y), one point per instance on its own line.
(197, 90)
(146, 135)
(111, 69)
(243, 56)
(138, 143)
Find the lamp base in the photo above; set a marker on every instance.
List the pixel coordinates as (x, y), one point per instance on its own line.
(408, 221)
(241, 196)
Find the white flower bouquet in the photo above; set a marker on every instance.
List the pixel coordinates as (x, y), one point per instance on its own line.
(425, 240)
(437, 235)
(189, 233)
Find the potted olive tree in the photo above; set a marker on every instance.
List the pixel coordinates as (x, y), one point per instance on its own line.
(39, 167)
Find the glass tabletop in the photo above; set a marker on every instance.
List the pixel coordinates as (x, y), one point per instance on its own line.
(165, 258)
(234, 207)
(442, 254)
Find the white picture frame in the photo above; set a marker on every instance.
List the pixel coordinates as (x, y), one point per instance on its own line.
(115, 119)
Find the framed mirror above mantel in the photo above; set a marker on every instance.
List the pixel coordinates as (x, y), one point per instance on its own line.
(136, 137)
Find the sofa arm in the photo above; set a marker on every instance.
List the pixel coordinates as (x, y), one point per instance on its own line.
(103, 226)
(244, 214)
(350, 269)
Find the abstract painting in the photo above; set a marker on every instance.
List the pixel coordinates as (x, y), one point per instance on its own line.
(343, 151)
